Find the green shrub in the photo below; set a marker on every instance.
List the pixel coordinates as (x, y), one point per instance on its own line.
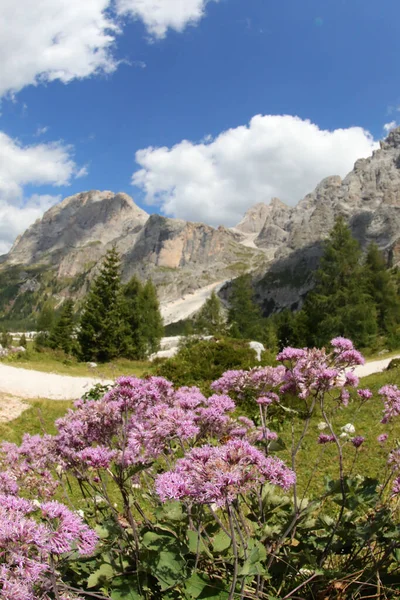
(394, 364)
(200, 362)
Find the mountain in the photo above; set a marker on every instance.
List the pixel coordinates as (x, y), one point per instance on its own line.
(369, 199)
(281, 245)
(60, 253)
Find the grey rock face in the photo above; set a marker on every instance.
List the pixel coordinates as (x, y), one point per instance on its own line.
(72, 238)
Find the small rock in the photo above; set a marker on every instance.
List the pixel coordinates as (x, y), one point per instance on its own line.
(92, 365)
(258, 349)
(382, 352)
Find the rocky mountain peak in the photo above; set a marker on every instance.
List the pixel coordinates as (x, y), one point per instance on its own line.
(392, 140)
(254, 218)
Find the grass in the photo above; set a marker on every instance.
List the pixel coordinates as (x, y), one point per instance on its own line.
(372, 457)
(53, 362)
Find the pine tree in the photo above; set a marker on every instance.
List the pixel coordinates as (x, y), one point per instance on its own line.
(244, 315)
(44, 325)
(101, 324)
(382, 289)
(142, 322)
(210, 318)
(5, 339)
(61, 336)
(340, 304)
(22, 341)
(152, 326)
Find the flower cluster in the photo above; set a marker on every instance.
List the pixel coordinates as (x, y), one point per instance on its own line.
(28, 466)
(136, 421)
(391, 396)
(28, 545)
(216, 475)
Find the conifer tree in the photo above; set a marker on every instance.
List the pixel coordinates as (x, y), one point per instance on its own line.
(142, 322)
(244, 315)
(44, 325)
(210, 318)
(341, 303)
(382, 289)
(152, 326)
(101, 326)
(22, 341)
(61, 336)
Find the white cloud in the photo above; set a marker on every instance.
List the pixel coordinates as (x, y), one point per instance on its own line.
(51, 40)
(15, 219)
(389, 126)
(35, 165)
(161, 15)
(216, 182)
(39, 164)
(47, 40)
(41, 131)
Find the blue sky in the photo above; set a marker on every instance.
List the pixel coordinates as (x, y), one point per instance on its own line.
(184, 77)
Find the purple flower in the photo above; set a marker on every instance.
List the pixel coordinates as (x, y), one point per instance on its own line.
(391, 396)
(323, 438)
(351, 379)
(357, 441)
(396, 486)
(382, 438)
(219, 474)
(341, 344)
(365, 394)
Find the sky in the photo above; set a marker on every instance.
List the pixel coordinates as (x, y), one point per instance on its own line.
(198, 109)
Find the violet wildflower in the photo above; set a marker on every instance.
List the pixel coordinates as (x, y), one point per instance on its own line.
(396, 486)
(365, 394)
(323, 438)
(357, 441)
(218, 475)
(382, 438)
(341, 344)
(351, 379)
(391, 396)
(344, 397)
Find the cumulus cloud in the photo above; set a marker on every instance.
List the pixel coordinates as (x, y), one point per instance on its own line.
(54, 40)
(217, 180)
(14, 219)
(161, 15)
(389, 126)
(35, 165)
(48, 40)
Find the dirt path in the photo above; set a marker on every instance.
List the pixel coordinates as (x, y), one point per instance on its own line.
(11, 408)
(375, 366)
(25, 383)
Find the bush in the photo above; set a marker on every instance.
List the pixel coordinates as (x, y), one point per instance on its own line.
(200, 362)
(394, 364)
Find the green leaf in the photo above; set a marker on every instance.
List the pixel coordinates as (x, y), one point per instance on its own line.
(196, 545)
(200, 586)
(276, 445)
(102, 532)
(157, 541)
(125, 590)
(172, 511)
(168, 568)
(104, 573)
(221, 542)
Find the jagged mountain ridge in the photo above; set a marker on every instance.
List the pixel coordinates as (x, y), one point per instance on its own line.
(60, 253)
(280, 244)
(368, 197)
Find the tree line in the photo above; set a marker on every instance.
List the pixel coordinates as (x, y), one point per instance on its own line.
(354, 295)
(116, 320)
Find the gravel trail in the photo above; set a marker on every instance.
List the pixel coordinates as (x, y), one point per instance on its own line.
(375, 366)
(25, 383)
